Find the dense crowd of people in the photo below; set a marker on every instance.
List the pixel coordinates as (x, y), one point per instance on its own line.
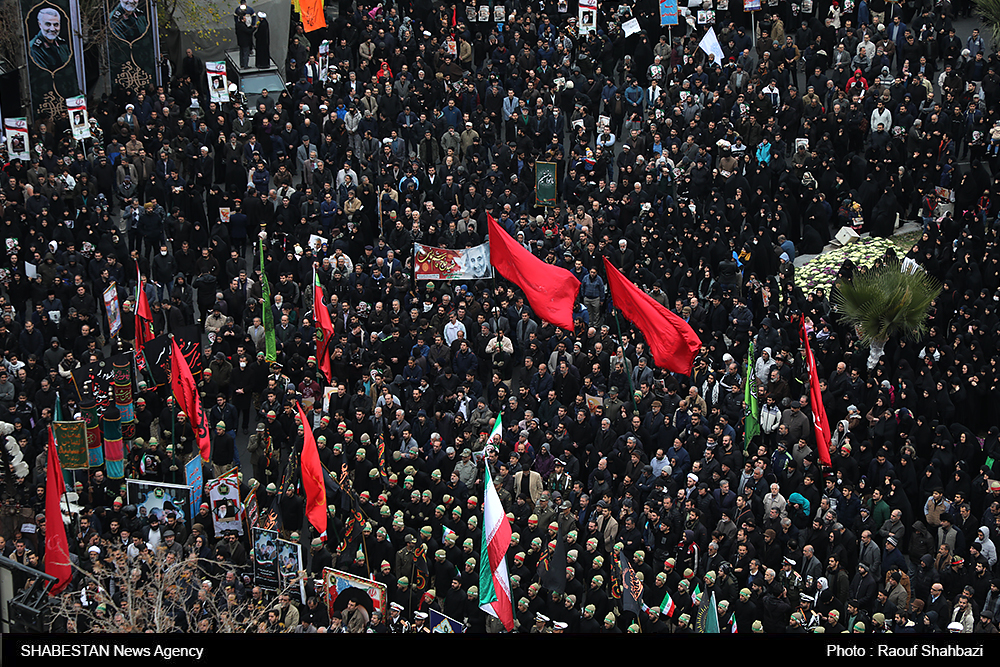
(700, 180)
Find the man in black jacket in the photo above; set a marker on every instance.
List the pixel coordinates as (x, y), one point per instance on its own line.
(223, 449)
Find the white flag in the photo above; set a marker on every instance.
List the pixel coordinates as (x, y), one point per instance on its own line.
(710, 44)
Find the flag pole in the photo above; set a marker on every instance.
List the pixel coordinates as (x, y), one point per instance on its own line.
(173, 420)
(63, 499)
(364, 549)
(628, 371)
(493, 280)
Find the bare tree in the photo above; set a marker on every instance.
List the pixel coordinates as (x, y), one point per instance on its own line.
(156, 592)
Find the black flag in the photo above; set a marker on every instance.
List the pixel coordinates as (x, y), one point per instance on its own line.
(552, 567)
(631, 588)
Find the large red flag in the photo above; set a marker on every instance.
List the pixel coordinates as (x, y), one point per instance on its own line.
(143, 319)
(820, 423)
(56, 547)
(312, 479)
(550, 290)
(186, 392)
(672, 341)
(324, 329)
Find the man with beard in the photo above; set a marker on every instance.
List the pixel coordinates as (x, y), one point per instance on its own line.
(48, 49)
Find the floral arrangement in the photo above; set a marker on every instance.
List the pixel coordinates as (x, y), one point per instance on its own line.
(821, 271)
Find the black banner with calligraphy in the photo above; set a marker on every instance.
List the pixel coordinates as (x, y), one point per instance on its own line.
(631, 588)
(552, 565)
(131, 53)
(155, 360)
(97, 380)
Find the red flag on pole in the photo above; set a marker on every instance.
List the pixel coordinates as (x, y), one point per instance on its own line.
(56, 547)
(143, 319)
(312, 479)
(551, 291)
(820, 423)
(324, 329)
(672, 341)
(186, 392)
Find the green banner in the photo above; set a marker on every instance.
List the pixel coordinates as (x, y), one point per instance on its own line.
(271, 352)
(545, 184)
(71, 444)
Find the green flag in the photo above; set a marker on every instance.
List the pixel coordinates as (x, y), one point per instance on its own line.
(707, 618)
(751, 423)
(267, 317)
(545, 184)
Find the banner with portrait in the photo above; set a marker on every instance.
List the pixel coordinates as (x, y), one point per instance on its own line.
(587, 18)
(131, 51)
(340, 587)
(224, 499)
(78, 119)
(289, 565)
(157, 498)
(194, 477)
(16, 132)
(112, 308)
(265, 559)
(51, 56)
(432, 263)
(323, 59)
(218, 86)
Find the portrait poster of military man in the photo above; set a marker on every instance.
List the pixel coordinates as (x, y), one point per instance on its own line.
(50, 56)
(130, 44)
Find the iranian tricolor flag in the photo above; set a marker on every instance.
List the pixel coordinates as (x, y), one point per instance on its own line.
(667, 607)
(497, 430)
(494, 582)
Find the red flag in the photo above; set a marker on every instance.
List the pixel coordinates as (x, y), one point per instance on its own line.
(186, 392)
(820, 422)
(324, 329)
(312, 479)
(550, 290)
(672, 341)
(143, 319)
(56, 547)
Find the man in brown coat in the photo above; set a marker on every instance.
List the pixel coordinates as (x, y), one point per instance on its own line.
(355, 618)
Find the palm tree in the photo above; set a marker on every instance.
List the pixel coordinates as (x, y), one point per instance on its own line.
(890, 299)
(989, 12)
